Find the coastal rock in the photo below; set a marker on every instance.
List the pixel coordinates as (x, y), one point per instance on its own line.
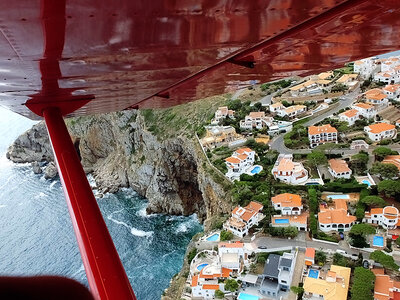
(120, 151)
(50, 171)
(36, 168)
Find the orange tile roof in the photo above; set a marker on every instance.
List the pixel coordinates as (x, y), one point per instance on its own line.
(363, 105)
(313, 130)
(376, 211)
(195, 280)
(277, 104)
(383, 285)
(224, 274)
(350, 113)
(210, 287)
(390, 212)
(242, 156)
(254, 206)
(392, 159)
(373, 92)
(247, 215)
(232, 160)
(287, 200)
(285, 165)
(396, 284)
(257, 114)
(231, 245)
(299, 219)
(358, 62)
(377, 97)
(380, 127)
(392, 87)
(310, 253)
(294, 108)
(340, 204)
(339, 165)
(378, 271)
(243, 150)
(338, 216)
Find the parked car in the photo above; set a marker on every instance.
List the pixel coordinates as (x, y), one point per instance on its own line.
(354, 256)
(262, 247)
(342, 252)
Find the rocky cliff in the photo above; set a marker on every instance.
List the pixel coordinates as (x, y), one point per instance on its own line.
(125, 149)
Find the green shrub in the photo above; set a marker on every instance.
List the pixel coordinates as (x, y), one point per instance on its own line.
(226, 235)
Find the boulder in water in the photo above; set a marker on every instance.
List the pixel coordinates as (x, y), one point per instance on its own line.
(36, 168)
(50, 171)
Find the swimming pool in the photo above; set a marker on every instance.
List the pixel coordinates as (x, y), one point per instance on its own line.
(243, 296)
(281, 221)
(213, 238)
(378, 241)
(200, 267)
(256, 170)
(313, 273)
(367, 182)
(334, 197)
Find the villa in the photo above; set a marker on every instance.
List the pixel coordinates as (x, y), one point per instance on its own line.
(381, 131)
(278, 273)
(339, 168)
(387, 217)
(309, 257)
(319, 135)
(206, 283)
(348, 79)
(392, 159)
(364, 67)
(222, 113)
(233, 256)
(288, 204)
(349, 116)
(359, 145)
(334, 286)
(256, 120)
(368, 111)
(385, 288)
(240, 162)
(288, 171)
(377, 98)
(217, 136)
(392, 91)
(335, 218)
(276, 107)
(292, 111)
(243, 218)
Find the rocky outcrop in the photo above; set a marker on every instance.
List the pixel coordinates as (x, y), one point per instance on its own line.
(120, 151)
(50, 171)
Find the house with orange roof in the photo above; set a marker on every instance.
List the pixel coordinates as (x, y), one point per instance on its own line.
(222, 113)
(319, 135)
(206, 282)
(385, 288)
(364, 67)
(349, 116)
(243, 218)
(256, 119)
(275, 107)
(288, 204)
(377, 98)
(381, 131)
(348, 79)
(335, 218)
(239, 163)
(339, 168)
(387, 217)
(392, 159)
(292, 111)
(309, 257)
(288, 171)
(392, 91)
(386, 76)
(217, 136)
(366, 110)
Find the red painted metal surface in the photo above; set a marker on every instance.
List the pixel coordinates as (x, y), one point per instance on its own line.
(122, 53)
(104, 270)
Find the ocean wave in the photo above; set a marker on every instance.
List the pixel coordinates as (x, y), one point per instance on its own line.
(3, 205)
(134, 231)
(53, 184)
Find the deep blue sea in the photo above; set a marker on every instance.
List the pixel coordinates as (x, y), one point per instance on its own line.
(36, 235)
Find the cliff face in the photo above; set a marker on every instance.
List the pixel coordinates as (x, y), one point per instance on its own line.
(121, 152)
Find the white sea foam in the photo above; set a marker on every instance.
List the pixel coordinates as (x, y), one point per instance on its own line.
(3, 205)
(134, 231)
(40, 195)
(52, 184)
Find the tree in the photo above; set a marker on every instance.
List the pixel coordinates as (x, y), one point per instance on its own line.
(253, 268)
(298, 290)
(386, 171)
(386, 261)
(398, 241)
(226, 235)
(317, 158)
(359, 161)
(231, 285)
(381, 152)
(219, 294)
(327, 147)
(320, 257)
(290, 231)
(191, 255)
(339, 260)
(363, 284)
(390, 188)
(373, 201)
(362, 229)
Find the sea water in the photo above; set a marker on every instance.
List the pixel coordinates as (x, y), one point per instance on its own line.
(36, 235)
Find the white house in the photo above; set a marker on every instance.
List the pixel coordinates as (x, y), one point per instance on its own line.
(276, 107)
(377, 97)
(368, 111)
(381, 131)
(364, 67)
(243, 218)
(233, 256)
(348, 79)
(288, 204)
(349, 116)
(387, 217)
(336, 218)
(222, 113)
(386, 77)
(292, 111)
(208, 280)
(288, 171)
(319, 135)
(339, 168)
(240, 161)
(392, 91)
(256, 120)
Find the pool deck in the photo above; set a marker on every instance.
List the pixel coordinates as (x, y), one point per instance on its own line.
(353, 197)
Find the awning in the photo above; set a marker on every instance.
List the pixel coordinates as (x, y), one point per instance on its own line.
(250, 278)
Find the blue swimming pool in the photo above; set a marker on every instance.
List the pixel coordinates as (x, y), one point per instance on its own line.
(200, 267)
(367, 182)
(334, 197)
(243, 296)
(281, 221)
(378, 241)
(256, 170)
(313, 273)
(213, 238)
